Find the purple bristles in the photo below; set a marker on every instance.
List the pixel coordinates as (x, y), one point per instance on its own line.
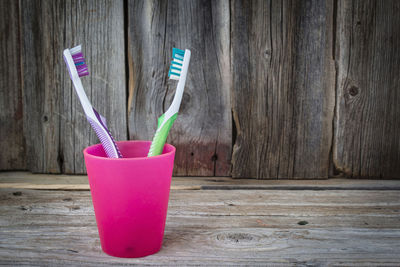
(80, 64)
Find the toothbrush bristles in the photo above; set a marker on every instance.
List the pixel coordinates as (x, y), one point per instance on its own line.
(176, 64)
(79, 61)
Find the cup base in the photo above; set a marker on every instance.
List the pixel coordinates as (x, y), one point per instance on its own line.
(129, 253)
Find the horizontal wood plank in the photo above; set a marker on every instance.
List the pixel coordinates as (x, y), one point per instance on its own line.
(26, 180)
(207, 227)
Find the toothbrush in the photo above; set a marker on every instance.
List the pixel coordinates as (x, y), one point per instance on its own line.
(178, 71)
(77, 68)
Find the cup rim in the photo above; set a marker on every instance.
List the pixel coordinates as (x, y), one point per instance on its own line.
(87, 154)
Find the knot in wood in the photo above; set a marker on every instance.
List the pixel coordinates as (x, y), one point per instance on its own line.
(267, 54)
(353, 91)
(185, 103)
(235, 237)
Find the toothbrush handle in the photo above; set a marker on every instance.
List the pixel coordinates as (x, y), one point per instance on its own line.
(104, 135)
(161, 135)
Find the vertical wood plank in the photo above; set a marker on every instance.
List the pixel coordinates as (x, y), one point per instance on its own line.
(12, 140)
(367, 142)
(202, 132)
(282, 101)
(56, 128)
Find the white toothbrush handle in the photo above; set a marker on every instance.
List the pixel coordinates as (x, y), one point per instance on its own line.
(97, 122)
(176, 103)
(87, 107)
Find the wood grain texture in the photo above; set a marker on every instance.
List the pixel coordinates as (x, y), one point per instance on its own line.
(266, 66)
(282, 104)
(56, 128)
(350, 228)
(367, 121)
(202, 131)
(12, 142)
(25, 180)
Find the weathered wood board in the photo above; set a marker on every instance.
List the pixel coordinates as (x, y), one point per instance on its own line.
(207, 227)
(264, 98)
(12, 143)
(56, 128)
(282, 99)
(367, 131)
(202, 131)
(25, 180)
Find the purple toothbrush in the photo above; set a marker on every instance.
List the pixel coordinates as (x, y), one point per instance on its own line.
(77, 68)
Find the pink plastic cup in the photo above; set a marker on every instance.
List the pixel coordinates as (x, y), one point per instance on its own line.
(130, 197)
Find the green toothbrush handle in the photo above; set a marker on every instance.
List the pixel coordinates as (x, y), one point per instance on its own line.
(160, 137)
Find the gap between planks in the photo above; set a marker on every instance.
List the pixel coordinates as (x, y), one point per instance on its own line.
(27, 180)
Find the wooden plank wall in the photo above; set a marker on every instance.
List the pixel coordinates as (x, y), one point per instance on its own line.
(282, 108)
(202, 132)
(12, 144)
(276, 89)
(367, 142)
(56, 129)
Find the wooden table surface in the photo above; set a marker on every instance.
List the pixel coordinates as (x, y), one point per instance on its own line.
(211, 221)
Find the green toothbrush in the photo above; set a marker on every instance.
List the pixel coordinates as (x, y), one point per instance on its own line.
(177, 71)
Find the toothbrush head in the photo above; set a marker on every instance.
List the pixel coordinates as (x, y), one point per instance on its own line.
(176, 63)
(79, 61)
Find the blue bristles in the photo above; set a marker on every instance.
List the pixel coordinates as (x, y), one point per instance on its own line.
(178, 53)
(176, 63)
